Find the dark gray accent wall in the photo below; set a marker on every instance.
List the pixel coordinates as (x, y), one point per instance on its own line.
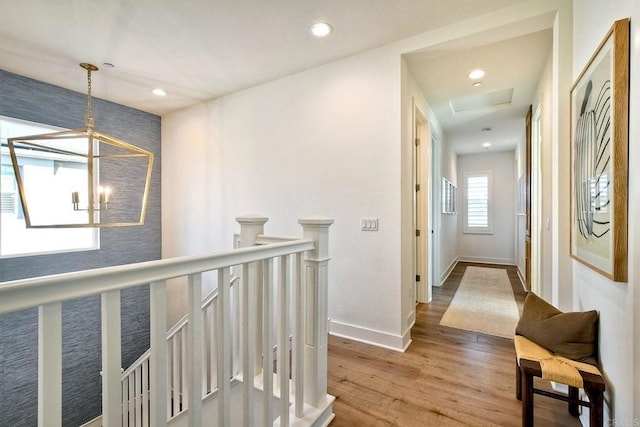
(28, 99)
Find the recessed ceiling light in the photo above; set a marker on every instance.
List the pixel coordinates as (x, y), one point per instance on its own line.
(321, 29)
(476, 84)
(159, 92)
(486, 145)
(476, 74)
(108, 65)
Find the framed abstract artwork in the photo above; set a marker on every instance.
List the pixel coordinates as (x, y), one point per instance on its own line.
(599, 157)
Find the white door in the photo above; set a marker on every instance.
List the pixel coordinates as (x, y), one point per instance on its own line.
(422, 187)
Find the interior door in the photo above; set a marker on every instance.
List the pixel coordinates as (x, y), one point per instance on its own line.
(527, 239)
(417, 214)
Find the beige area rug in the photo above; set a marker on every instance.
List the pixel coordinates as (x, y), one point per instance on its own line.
(484, 303)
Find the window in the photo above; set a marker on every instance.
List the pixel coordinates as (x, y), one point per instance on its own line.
(47, 172)
(477, 197)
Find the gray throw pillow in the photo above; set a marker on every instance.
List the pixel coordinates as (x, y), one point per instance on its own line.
(571, 335)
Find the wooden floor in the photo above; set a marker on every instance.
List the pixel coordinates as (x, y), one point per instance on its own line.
(447, 377)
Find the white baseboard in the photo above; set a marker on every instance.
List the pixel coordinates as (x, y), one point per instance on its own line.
(487, 260)
(444, 276)
(521, 277)
(371, 336)
(406, 337)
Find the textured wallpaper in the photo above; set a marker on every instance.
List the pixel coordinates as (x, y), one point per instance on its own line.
(28, 99)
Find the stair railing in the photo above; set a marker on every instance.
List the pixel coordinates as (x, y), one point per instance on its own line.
(299, 383)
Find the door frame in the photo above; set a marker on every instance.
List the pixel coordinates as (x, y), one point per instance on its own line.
(435, 203)
(536, 202)
(421, 210)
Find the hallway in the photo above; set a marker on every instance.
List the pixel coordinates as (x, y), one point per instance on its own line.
(447, 377)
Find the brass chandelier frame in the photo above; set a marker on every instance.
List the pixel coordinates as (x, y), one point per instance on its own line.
(91, 135)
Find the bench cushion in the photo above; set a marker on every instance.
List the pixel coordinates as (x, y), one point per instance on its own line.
(571, 334)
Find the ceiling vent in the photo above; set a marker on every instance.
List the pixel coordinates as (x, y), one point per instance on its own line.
(481, 101)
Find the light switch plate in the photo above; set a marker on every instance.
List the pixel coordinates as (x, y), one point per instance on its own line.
(369, 224)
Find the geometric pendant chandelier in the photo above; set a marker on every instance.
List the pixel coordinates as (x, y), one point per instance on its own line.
(81, 178)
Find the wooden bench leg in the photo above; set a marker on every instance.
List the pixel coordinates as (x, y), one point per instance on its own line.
(595, 406)
(527, 399)
(574, 407)
(518, 381)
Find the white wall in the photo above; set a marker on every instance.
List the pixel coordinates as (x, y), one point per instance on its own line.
(618, 303)
(497, 247)
(413, 98)
(413, 103)
(449, 222)
(561, 275)
(543, 99)
(325, 141)
(330, 141)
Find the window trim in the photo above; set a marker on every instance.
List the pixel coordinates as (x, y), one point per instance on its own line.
(478, 230)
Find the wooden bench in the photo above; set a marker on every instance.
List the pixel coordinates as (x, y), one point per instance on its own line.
(593, 384)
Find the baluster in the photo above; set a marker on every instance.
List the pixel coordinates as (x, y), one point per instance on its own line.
(177, 370)
(248, 341)
(184, 360)
(194, 349)
(224, 347)
(298, 335)
(145, 393)
(132, 398)
(267, 349)
(235, 329)
(125, 401)
(158, 360)
(111, 359)
(283, 347)
(50, 365)
(204, 372)
(139, 395)
(169, 395)
(213, 355)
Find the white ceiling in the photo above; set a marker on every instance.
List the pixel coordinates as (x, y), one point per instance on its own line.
(515, 63)
(202, 49)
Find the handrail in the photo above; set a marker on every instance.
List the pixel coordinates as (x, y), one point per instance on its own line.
(263, 239)
(27, 293)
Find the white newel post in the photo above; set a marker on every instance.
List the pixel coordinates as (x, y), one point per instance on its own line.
(251, 226)
(316, 287)
(111, 360)
(194, 349)
(158, 358)
(50, 365)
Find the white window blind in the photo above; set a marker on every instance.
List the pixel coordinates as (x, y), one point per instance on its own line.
(478, 202)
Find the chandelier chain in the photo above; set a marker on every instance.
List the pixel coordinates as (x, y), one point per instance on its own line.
(88, 118)
(89, 106)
